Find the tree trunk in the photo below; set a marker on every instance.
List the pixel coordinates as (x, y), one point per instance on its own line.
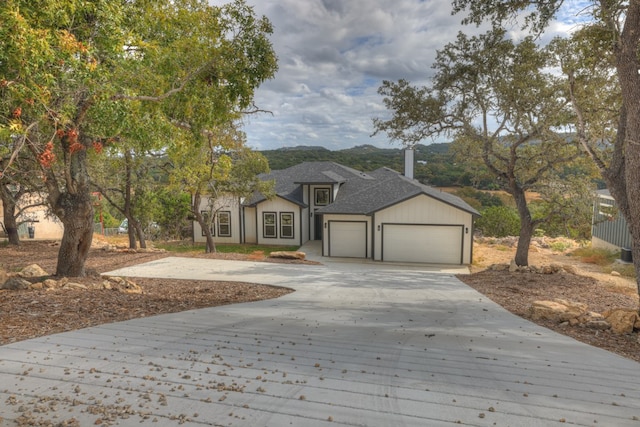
(526, 228)
(140, 233)
(9, 217)
(77, 217)
(628, 64)
(205, 223)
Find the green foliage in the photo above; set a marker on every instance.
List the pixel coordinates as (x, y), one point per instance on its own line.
(478, 199)
(498, 221)
(173, 214)
(108, 220)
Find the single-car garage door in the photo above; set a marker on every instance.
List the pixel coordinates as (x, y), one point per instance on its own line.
(348, 239)
(437, 244)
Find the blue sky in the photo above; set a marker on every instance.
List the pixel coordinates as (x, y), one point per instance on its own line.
(334, 54)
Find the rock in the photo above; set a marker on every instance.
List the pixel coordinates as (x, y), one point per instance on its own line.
(600, 325)
(558, 311)
(569, 269)
(499, 267)
(49, 284)
(622, 320)
(121, 285)
(15, 284)
(33, 270)
(288, 255)
(513, 267)
(73, 285)
(615, 274)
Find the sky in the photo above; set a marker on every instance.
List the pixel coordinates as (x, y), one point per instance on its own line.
(332, 57)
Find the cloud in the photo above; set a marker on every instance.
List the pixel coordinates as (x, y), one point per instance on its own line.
(333, 55)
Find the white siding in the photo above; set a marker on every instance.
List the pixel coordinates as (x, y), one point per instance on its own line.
(250, 232)
(229, 204)
(277, 206)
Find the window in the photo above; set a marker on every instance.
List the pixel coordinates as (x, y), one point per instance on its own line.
(322, 196)
(224, 224)
(269, 225)
(205, 217)
(286, 225)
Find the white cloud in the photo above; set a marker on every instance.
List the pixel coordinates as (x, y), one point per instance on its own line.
(333, 55)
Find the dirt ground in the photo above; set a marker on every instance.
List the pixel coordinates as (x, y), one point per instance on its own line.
(31, 313)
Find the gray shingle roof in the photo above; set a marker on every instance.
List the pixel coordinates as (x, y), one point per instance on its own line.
(388, 188)
(360, 193)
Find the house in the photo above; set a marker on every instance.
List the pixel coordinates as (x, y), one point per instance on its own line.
(609, 229)
(35, 220)
(381, 215)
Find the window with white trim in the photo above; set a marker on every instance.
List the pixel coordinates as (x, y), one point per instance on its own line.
(224, 224)
(286, 225)
(269, 226)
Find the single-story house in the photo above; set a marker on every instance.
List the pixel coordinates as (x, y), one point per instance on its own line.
(609, 228)
(35, 221)
(381, 215)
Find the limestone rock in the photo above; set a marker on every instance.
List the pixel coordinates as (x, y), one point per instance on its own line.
(73, 285)
(122, 285)
(15, 284)
(622, 320)
(288, 255)
(513, 267)
(600, 325)
(33, 270)
(558, 311)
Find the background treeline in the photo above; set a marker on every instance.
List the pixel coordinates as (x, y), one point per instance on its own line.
(435, 163)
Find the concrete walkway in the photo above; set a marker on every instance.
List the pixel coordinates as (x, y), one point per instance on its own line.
(355, 345)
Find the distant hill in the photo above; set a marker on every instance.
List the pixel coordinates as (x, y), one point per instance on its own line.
(434, 163)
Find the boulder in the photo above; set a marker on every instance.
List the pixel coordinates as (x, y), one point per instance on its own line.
(557, 311)
(15, 284)
(33, 270)
(288, 255)
(622, 320)
(121, 285)
(74, 285)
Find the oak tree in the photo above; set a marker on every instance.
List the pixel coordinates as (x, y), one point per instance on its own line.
(71, 70)
(494, 97)
(613, 29)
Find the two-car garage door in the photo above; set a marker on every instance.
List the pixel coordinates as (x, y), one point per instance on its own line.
(438, 244)
(432, 244)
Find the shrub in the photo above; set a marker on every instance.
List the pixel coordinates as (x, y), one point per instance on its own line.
(499, 221)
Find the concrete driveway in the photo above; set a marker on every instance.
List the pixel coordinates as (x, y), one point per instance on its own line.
(355, 345)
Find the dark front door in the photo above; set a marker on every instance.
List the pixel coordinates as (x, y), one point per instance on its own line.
(318, 227)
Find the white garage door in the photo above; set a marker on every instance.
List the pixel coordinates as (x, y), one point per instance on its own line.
(437, 244)
(348, 239)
